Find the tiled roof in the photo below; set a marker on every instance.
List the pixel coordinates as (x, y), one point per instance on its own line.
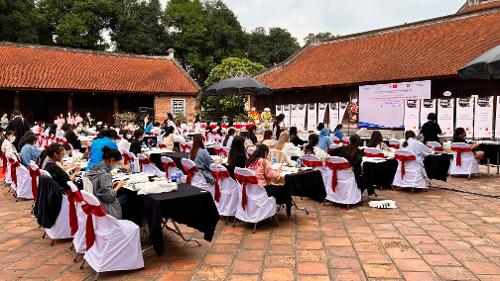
(481, 5)
(52, 68)
(432, 48)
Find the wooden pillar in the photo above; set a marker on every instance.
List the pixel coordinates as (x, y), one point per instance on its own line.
(116, 106)
(70, 103)
(17, 103)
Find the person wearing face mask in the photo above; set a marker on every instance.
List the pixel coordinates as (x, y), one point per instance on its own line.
(124, 142)
(52, 164)
(102, 181)
(8, 143)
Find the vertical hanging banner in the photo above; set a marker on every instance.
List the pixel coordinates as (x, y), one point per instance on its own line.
(465, 115)
(427, 106)
(279, 109)
(312, 117)
(333, 121)
(483, 117)
(300, 116)
(288, 115)
(342, 111)
(445, 116)
(322, 107)
(497, 120)
(412, 115)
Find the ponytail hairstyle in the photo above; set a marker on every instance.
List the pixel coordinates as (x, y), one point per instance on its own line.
(261, 152)
(353, 146)
(109, 153)
(313, 141)
(408, 134)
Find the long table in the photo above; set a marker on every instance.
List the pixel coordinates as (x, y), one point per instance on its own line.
(176, 156)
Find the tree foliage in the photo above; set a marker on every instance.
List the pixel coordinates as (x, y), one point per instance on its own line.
(21, 21)
(270, 48)
(318, 37)
(215, 107)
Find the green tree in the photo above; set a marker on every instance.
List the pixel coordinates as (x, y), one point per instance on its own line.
(318, 37)
(270, 48)
(139, 28)
(80, 23)
(215, 107)
(20, 21)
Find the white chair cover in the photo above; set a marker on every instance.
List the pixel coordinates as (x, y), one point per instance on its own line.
(414, 172)
(8, 177)
(197, 179)
(334, 146)
(87, 185)
(117, 243)
(394, 143)
(372, 151)
(228, 188)
(23, 183)
(346, 191)
(336, 140)
(171, 169)
(150, 168)
(61, 229)
(314, 158)
(135, 167)
(469, 164)
(436, 145)
(251, 150)
(79, 242)
(259, 205)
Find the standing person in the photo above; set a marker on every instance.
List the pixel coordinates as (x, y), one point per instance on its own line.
(324, 139)
(278, 125)
(171, 122)
(88, 118)
(4, 121)
(55, 153)
(228, 139)
(105, 138)
(202, 158)
(338, 132)
(17, 125)
(136, 143)
(430, 130)
(29, 152)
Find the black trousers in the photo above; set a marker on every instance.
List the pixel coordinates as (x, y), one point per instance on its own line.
(281, 195)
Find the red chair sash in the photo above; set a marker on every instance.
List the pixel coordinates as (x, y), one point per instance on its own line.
(218, 175)
(143, 162)
(73, 197)
(162, 145)
(190, 173)
(244, 180)
(166, 166)
(403, 159)
(127, 158)
(459, 151)
(220, 152)
(367, 154)
(336, 141)
(4, 162)
(312, 164)
(436, 148)
(335, 167)
(89, 227)
(13, 165)
(34, 174)
(185, 147)
(395, 146)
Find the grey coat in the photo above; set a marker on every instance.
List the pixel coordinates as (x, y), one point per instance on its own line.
(102, 181)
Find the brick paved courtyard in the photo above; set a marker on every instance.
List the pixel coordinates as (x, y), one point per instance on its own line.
(434, 235)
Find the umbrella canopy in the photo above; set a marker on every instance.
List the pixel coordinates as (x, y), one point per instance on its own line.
(238, 86)
(485, 66)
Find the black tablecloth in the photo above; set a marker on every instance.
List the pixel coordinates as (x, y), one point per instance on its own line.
(380, 173)
(307, 184)
(176, 156)
(437, 165)
(150, 141)
(188, 205)
(211, 150)
(491, 152)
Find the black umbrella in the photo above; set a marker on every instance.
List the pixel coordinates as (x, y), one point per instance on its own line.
(485, 66)
(237, 86)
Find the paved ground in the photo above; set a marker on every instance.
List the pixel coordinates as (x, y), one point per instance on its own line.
(434, 235)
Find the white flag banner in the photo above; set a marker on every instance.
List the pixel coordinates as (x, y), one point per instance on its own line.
(445, 116)
(426, 107)
(465, 115)
(322, 107)
(333, 112)
(312, 116)
(412, 115)
(299, 114)
(279, 109)
(288, 115)
(497, 121)
(483, 117)
(342, 110)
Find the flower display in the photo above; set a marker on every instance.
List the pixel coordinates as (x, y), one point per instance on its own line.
(254, 116)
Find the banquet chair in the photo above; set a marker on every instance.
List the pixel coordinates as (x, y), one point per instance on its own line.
(410, 172)
(170, 167)
(372, 152)
(12, 165)
(333, 146)
(147, 167)
(61, 228)
(313, 161)
(8, 178)
(115, 244)
(219, 150)
(254, 205)
(194, 177)
(185, 147)
(225, 191)
(130, 159)
(394, 143)
(463, 162)
(35, 173)
(336, 140)
(79, 243)
(251, 150)
(24, 186)
(341, 187)
(437, 146)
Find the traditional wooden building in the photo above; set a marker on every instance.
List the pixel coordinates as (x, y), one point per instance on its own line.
(42, 81)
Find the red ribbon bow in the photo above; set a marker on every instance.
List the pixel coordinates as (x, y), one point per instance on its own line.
(312, 163)
(166, 166)
(185, 147)
(219, 175)
(244, 180)
(89, 228)
(403, 159)
(34, 174)
(162, 145)
(220, 152)
(459, 151)
(73, 197)
(336, 141)
(436, 148)
(367, 154)
(190, 173)
(142, 162)
(395, 146)
(335, 167)
(127, 158)
(13, 165)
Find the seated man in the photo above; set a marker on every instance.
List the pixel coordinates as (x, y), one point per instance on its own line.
(29, 152)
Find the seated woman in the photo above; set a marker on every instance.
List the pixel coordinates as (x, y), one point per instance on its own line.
(312, 147)
(268, 139)
(354, 155)
(417, 147)
(136, 143)
(169, 138)
(71, 137)
(294, 137)
(102, 181)
(237, 155)
(124, 142)
(324, 139)
(377, 141)
(228, 139)
(52, 164)
(459, 136)
(286, 148)
(267, 176)
(202, 158)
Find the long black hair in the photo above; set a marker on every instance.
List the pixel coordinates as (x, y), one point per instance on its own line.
(278, 120)
(108, 153)
(261, 152)
(408, 134)
(237, 151)
(353, 146)
(313, 141)
(230, 132)
(197, 145)
(375, 139)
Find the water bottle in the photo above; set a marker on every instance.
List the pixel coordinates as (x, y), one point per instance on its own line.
(433, 147)
(364, 143)
(174, 177)
(298, 163)
(274, 160)
(132, 166)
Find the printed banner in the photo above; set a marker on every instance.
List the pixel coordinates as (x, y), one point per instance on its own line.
(426, 107)
(333, 113)
(465, 115)
(300, 116)
(288, 115)
(342, 111)
(322, 107)
(412, 115)
(483, 117)
(312, 116)
(497, 121)
(445, 116)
